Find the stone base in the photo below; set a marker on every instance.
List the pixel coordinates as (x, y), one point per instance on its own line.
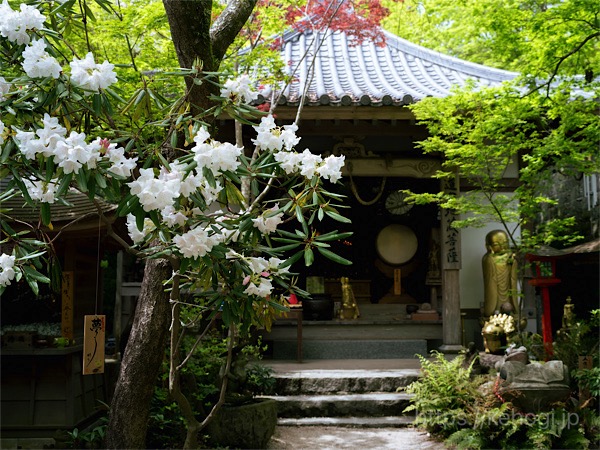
(245, 426)
(451, 348)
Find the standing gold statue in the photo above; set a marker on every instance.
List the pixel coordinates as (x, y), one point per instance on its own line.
(499, 276)
(349, 307)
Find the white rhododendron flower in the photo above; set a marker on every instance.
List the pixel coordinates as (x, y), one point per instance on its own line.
(121, 165)
(43, 191)
(90, 76)
(15, 25)
(135, 234)
(282, 140)
(331, 168)
(262, 289)
(4, 88)
(216, 156)
(289, 161)
(155, 193)
(172, 217)
(267, 224)
(72, 153)
(310, 161)
(239, 90)
(259, 282)
(1, 132)
(195, 243)
(7, 271)
(37, 63)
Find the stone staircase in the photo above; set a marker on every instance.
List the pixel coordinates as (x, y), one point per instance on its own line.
(344, 398)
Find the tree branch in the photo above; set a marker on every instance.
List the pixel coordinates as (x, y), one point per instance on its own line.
(228, 25)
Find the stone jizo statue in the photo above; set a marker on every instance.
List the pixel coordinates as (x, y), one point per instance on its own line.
(499, 275)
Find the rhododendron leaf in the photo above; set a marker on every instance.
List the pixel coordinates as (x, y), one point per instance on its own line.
(333, 257)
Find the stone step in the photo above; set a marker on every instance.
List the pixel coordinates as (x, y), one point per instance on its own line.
(428, 330)
(349, 405)
(350, 422)
(346, 381)
(350, 349)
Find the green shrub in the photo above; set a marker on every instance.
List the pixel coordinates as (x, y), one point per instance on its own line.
(445, 395)
(466, 413)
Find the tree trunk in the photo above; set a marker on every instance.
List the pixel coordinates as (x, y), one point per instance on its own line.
(195, 43)
(141, 362)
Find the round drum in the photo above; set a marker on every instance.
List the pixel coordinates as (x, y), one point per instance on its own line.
(396, 244)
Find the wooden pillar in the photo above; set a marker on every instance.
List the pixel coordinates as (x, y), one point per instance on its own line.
(451, 265)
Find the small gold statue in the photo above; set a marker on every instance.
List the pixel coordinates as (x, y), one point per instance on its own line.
(568, 319)
(349, 307)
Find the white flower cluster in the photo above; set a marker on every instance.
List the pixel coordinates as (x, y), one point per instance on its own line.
(504, 321)
(239, 90)
(136, 235)
(160, 193)
(216, 156)
(197, 242)
(267, 222)
(72, 152)
(38, 63)
(15, 25)
(42, 191)
(90, 76)
(282, 140)
(259, 282)
(7, 271)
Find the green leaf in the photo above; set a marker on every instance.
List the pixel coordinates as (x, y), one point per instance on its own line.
(46, 215)
(332, 256)
(291, 260)
(337, 217)
(31, 273)
(333, 236)
(309, 257)
(286, 248)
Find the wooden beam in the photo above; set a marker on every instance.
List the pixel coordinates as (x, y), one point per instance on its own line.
(377, 167)
(342, 112)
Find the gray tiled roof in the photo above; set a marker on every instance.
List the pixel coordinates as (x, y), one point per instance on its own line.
(398, 73)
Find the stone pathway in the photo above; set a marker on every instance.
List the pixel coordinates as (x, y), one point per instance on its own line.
(325, 438)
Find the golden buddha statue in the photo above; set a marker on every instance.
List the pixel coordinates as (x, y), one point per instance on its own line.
(349, 307)
(499, 276)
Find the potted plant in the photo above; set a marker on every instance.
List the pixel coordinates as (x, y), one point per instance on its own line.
(245, 420)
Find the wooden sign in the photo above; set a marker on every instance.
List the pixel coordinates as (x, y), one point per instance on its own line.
(397, 281)
(66, 322)
(586, 362)
(94, 328)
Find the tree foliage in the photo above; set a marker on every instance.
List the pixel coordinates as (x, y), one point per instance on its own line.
(544, 123)
(519, 35)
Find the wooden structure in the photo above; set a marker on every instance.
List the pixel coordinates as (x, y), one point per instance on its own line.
(43, 388)
(355, 99)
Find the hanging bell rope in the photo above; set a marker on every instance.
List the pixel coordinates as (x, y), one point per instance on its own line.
(355, 192)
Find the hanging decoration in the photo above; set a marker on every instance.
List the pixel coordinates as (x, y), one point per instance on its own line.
(355, 192)
(93, 344)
